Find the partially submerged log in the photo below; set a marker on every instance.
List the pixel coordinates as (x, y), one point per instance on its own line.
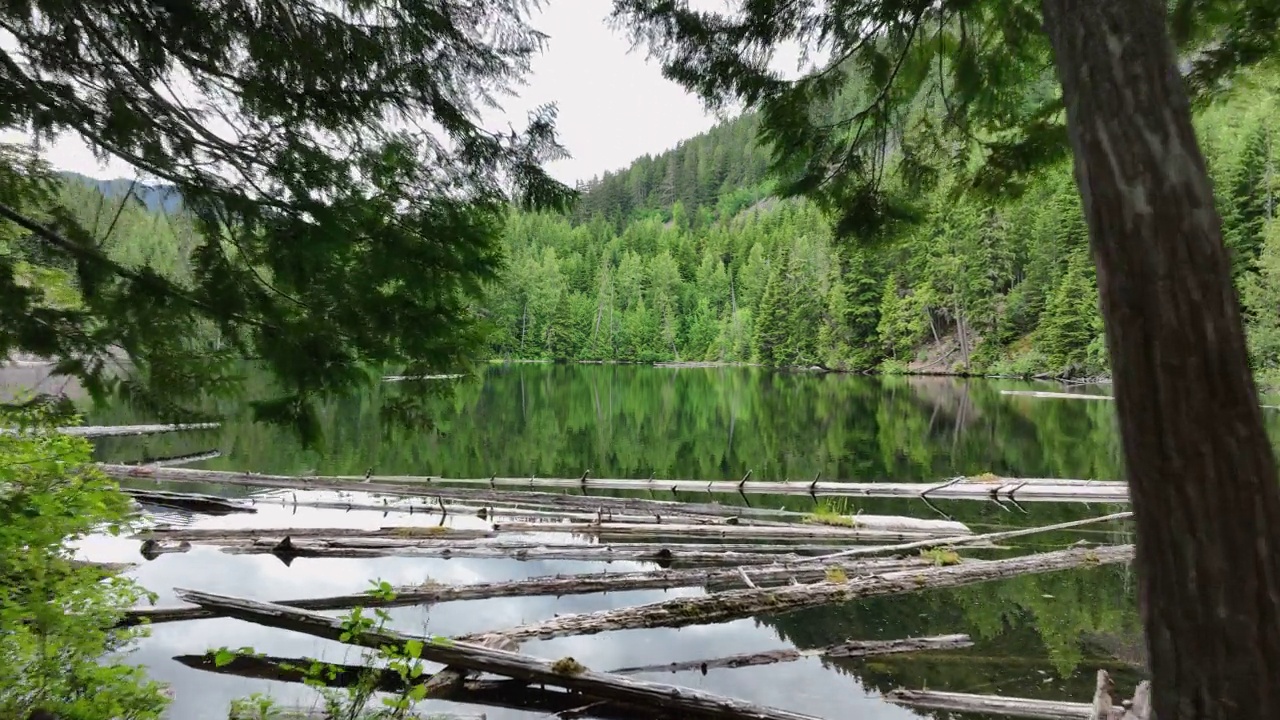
(213, 536)
(103, 431)
(565, 673)
(530, 551)
(738, 604)
(849, 649)
(510, 694)
(389, 547)
(977, 488)
(195, 502)
(175, 460)
(611, 529)
(556, 585)
(970, 539)
(1102, 707)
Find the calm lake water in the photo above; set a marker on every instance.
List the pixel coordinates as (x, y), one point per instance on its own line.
(1040, 636)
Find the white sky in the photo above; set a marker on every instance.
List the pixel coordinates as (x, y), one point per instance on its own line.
(614, 105)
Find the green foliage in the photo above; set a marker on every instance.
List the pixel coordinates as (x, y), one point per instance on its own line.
(320, 237)
(61, 652)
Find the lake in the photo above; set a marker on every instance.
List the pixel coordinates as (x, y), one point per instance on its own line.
(1040, 636)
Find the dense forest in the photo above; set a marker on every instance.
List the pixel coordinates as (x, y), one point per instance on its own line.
(686, 256)
(690, 256)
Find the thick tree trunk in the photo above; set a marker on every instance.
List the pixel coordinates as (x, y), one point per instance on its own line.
(1201, 471)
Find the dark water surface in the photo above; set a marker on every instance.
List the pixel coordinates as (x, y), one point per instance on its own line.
(1039, 636)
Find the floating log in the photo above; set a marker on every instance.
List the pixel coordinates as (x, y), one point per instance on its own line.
(1078, 396)
(611, 529)
(1056, 395)
(1102, 707)
(390, 547)
(404, 378)
(556, 585)
(152, 549)
(738, 604)
(510, 694)
(849, 649)
(994, 705)
(217, 535)
(565, 673)
(195, 502)
(175, 460)
(983, 487)
(970, 539)
(591, 553)
(106, 568)
(662, 508)
(103, 431)
(253, 712)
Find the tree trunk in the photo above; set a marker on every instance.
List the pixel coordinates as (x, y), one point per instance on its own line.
(1201, 471)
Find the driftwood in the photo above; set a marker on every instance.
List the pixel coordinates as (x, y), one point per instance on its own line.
(394, 546)
(970, 539)
(213, 536)
(1078, 396)
(103, 431)
(565, 673)
(1102, 707)
(319, 713)
(174, 460)
(195, 502)
(979, 488)
(850, 649)
(662, 508)
(656, 553)
(493, 693)
(404, 378)
(609, 529)
(737, 604)
(556, 585)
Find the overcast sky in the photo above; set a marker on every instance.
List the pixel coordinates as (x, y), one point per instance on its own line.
(614, 104)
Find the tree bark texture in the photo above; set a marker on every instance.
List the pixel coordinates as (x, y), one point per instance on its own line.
(1200, 467)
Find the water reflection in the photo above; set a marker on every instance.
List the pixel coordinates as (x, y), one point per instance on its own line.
(1040, 636)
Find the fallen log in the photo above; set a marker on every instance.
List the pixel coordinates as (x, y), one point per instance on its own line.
(970, 539)
(565, 673)
(601, 553)
(104, 431)
(195, 502)
(253, 712)
(1102, 707)
(212, 536)
(106, 568)
(609, 529)
(556, 585)
(850, 649)
(394, 546)
(982, 487)
(738, 604)
(510, 694)
(1077, 396)
(174, 460)
(993, 705)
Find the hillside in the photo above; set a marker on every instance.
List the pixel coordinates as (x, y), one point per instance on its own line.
(686, 256)
(683, 257)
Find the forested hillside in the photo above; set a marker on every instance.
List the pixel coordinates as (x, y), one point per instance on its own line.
(688, 256)
(684, 257)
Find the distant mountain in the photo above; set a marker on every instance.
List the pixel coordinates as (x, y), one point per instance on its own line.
(157, 198)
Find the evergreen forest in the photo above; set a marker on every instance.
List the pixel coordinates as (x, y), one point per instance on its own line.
(691, 256)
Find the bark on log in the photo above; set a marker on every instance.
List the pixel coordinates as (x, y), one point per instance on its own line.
(557, 585)
(565, 673)
(982, 488)
(738, 604)
(849, 649)
(1200, 463)
(510, 694)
